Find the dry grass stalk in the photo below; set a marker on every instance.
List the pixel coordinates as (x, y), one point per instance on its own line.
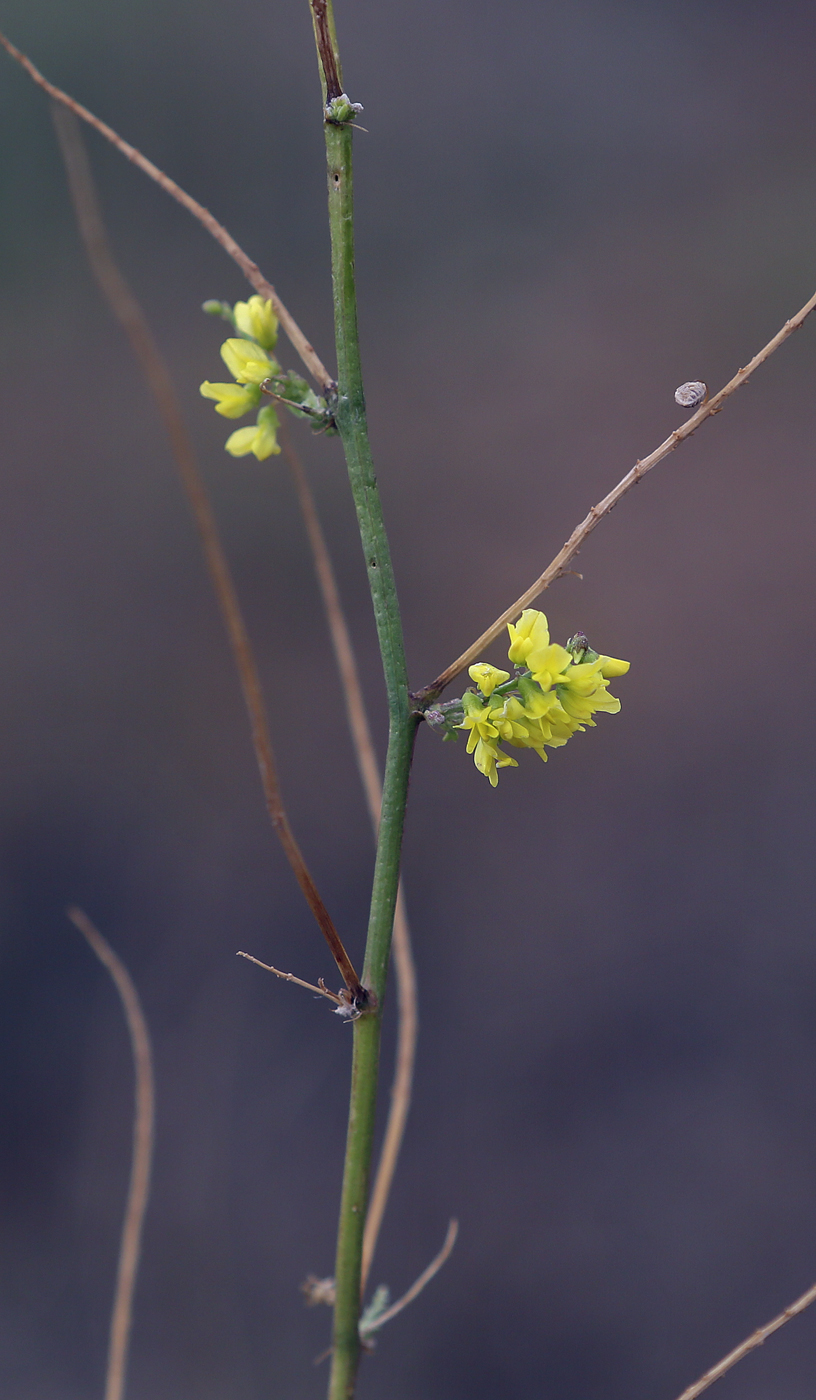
(143, 1134)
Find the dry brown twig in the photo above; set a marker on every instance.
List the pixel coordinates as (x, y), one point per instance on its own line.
(250, 269)
(597, 513)
(750, 1344)
(321, 1290)
(407, 1019)
(143, 1126)
(407, 1027)
(417, 1287)
(131, 317)
(321, 989)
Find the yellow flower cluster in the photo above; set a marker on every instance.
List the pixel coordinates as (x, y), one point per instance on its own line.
(250, 364)
(554, 694)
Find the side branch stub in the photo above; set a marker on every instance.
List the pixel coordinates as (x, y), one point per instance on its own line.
(326, 50)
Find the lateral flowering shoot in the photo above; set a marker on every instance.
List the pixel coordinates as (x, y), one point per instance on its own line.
(554, 693)
(256, 373)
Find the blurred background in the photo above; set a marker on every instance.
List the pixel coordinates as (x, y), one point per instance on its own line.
(565, 210)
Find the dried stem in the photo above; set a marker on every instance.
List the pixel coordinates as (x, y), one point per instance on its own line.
(326, 41)
(129, 313)
(417, 1287)
(597, 513)
(322, 991)
(369, 772)
(143, 1122)
(400, 1086)
(250, 269)
(750, 1344)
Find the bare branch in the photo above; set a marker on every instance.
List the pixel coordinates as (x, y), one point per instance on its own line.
(597, 513)
(322, 991)
(143, 1125)
(755, 1340)
(129, 313)
(401, 1084)
(369, 772)
(416, 1288)
(250, 269)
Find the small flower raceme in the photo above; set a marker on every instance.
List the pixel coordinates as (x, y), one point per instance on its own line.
(254, 369)
(554, 694)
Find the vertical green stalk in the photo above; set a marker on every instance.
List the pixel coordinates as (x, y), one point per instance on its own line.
(350, 414)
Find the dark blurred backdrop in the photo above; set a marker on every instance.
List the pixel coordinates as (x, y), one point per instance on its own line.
(565, 210)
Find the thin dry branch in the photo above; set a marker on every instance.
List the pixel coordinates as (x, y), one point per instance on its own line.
(407, 1027)
(597, 513)
(143, 1124)
(417, 1287)
(750, 1344)
(129, 313)
(322, 991)
(250, 269)
(369, 772)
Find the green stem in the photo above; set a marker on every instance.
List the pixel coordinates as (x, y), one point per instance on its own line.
(350, 416)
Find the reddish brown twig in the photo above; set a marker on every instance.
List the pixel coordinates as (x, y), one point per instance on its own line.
(131, 317)
(138, 1191)
(327, 48)
(250, 269)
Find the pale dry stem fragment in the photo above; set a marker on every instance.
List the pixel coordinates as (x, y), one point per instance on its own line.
(321, 1290)
(321, 989)
(143, 1131)
(318, 1290)
(750, 1344)
(416, 1287)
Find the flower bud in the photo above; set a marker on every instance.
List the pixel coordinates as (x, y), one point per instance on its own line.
(246, 361)
(257, 318)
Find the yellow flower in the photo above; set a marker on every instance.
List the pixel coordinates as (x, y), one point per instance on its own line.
(555, 698)
(583, 707)
(257, 319)
(232, 400)
(487, 677)
(611, 667)
(261, 440)
(484, 736)
(477, 720)
(530, 632)
(247, 362)
(509, 720)
(583, 689)
(548, 664)
(488, 758)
